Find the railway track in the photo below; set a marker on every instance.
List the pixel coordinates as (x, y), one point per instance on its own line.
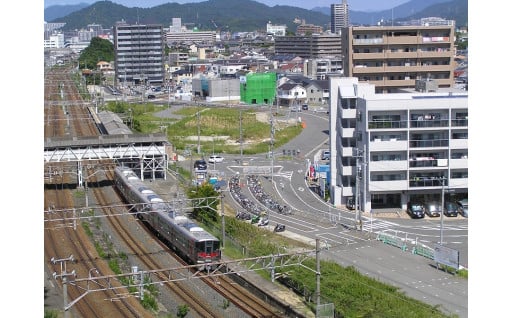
(66, 114)
(64, 239)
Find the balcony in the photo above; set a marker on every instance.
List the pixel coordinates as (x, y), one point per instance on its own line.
(362, 70)
(388, 165)
(459, 122)
(429, 143)
(459, 143)
(395, 185)
(459, 163)
(348, 132)
(387, 124)
(420, 182)
(431, 54)
(348, 171)
(429, 123)
(369, 56)
(458, 183)
(348, 113)
(347, 151)
(378, 145)
(402, 40)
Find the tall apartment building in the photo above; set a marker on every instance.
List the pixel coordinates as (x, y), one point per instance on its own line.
(339, 17)
(309, 46)
(139, 53)
(401, 147)
(394, 57)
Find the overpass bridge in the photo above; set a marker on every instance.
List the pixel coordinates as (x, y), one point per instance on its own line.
(148, 153)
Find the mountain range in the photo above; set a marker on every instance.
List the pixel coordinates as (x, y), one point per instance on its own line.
(243, 15)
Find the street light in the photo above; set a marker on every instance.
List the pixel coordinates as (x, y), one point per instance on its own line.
(442, 210)
(214, 159)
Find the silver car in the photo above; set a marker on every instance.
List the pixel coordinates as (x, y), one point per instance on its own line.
(433, 209)
(463, 207)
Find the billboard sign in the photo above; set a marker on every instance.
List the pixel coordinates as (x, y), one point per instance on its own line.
(446, 256)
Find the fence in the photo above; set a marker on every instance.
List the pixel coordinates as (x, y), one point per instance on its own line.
(394, 238)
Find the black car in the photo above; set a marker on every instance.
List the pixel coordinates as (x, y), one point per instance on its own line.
(416, 210)
(351, 203)
(451, 208)
(433, 209)
(200, 164)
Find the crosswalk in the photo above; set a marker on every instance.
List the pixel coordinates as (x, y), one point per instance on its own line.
(373, 225)
(285, 174)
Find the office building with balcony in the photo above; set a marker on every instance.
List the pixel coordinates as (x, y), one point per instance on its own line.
(139, 53)
(388, 149)
(309, 46)
(394, 57)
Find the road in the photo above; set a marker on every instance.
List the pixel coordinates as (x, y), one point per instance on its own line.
(313, 218)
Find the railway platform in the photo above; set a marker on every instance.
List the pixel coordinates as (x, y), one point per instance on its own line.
(274, 293)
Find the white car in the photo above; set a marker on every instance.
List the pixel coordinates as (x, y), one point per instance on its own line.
(215, 159)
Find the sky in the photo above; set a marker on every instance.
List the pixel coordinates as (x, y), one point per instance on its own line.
(356, 5)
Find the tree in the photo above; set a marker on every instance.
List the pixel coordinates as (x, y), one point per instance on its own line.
(98, 50)
(205, 190)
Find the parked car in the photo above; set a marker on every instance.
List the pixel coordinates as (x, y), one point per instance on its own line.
(151, 96)
(215, 159)
(326, 155)
(351, 203)
(433, 209)
(451, 208)
(463, 207)
(416, 210)
(305, 107)
(200, 164)
(294, 108)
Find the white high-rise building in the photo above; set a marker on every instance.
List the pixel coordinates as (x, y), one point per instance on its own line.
(339, 16)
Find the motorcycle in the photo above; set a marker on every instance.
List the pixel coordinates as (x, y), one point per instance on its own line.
(279, 228)
(263, 222)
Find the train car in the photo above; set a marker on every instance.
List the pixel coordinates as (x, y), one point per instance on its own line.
(190, 241)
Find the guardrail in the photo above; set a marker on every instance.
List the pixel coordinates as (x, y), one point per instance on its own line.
(393, 238)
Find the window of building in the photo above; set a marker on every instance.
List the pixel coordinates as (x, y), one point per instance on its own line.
(460, 135)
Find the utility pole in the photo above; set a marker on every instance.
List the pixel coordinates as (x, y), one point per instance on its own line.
(223, 224)
(318, 273)
(241, 137)
(64, 274)
(272, 131)
(360, 171)
(198, 133)
(442, 210)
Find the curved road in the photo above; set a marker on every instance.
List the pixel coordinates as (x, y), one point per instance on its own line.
(313, 218)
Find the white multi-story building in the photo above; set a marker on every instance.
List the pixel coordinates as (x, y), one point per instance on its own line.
(54, 41)
(401, 146)
(276, 29)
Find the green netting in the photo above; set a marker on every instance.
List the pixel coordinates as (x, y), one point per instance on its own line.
(259, 88)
